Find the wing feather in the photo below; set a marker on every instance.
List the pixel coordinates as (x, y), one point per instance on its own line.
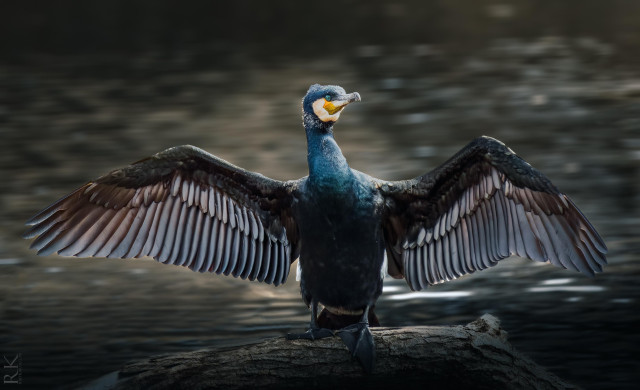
(224, 246)
(233, 254)
(264, 270)
(173, 236)
(96, 230)
(250, 259)
(466, 243)
(216, 247)
(182, 206)
(203, 245)
(70, 236)
(273, 271)
(420, 270)
(245, 256)
(481, 206)
(187, 237)
(116, 230)
(258, 265)
(143, 232)
(130, 233)
(162, 227)
(433, 276)
(280, 271)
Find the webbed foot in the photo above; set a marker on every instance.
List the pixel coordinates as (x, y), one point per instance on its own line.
(358, 339)
(311, 334)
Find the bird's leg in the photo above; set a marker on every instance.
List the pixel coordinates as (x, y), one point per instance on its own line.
(358, 339)
(315, 332)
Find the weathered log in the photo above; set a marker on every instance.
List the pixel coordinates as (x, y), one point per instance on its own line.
(476, 355)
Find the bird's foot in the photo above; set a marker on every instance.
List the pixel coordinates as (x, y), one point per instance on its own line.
(358, 339)
(311, 334)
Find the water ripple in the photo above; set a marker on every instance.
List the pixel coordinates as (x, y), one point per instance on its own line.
(430, 295)
(567, 289)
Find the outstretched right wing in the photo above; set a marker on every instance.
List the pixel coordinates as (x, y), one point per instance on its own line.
(182, 206)
(483, 205)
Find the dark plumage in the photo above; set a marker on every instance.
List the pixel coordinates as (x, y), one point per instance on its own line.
(186, 207)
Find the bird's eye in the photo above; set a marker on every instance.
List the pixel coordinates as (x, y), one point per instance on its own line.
(327, 98)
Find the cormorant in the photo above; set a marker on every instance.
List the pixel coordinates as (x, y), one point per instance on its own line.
(187, 207)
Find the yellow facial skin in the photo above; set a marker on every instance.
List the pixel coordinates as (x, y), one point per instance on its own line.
(328, 111)
(331, 108)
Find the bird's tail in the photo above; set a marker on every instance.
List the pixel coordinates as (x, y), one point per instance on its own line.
(330, 320)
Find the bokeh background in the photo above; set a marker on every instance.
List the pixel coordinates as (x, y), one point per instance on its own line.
(89, 86)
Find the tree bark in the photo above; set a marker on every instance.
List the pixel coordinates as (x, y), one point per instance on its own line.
(476, 355)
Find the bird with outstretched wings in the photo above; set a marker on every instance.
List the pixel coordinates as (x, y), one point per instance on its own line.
(186, 207)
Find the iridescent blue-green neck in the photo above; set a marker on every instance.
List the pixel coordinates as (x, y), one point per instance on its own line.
(327, 166)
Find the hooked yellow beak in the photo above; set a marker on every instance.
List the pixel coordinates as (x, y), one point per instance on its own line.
(341, 102)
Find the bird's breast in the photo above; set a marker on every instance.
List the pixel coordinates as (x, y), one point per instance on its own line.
(342, 246)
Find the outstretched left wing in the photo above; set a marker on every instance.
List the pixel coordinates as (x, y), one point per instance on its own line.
(481, 206)
(182, 206)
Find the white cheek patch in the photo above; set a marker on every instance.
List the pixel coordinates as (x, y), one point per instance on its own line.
(322, 114)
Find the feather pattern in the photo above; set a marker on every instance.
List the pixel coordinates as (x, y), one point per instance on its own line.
(182, 206)
(452, 221)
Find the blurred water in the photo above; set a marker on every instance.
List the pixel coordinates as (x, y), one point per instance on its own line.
(562, 104)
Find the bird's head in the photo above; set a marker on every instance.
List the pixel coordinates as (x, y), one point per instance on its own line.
(323, 104)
